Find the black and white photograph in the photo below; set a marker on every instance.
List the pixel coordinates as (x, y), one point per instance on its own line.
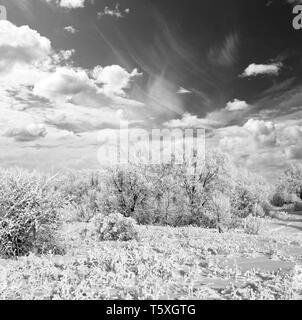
(150, 150)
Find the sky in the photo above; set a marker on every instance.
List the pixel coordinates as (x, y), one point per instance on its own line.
(72, 70)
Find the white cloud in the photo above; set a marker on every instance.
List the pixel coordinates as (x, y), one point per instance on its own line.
(28, 133)
(189, 121)
(114, 12)
(264, 131)
(259, 145)
(80, 119)
(63, 56)
(236, 105)
(63, 84)
(71, 29)
(42, 92)
(289, 134)
(21, 46)
(293, 152)
(72, 85)
(114, 79)
(182, 90)
(70, 4)
(262, 69)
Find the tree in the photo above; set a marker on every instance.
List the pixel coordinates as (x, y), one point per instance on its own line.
(213, 174)
(251, 191)
(291, 179)
(222, 210)
(128, 189)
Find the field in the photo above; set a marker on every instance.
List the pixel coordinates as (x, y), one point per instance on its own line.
(150, 233)
(165, 263)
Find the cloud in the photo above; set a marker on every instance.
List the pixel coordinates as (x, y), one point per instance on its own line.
(294, 2)
(46, 88)
(235, 111)
(114, 12)
(28, 133)
(71, 29)
(21, 45)
(226, 54)
(114, 79)
(72, 85)
(63, 56)
(189, 121)
(262, 146)
(64, 83)
(79, 119)
(263, 131)
(262, 69)
(182, 90)
(293, 152)
(69, 4)
(236, 105)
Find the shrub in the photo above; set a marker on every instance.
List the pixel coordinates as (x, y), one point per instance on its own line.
(221, 210)
(82, 194)
(243, 202)
(291, 198)
(281, 215)
(278, 199)
(90, 205)
(298, 206)
(259, 211)
(291, 179)
(29, 213)
(127, 190)
(282, 198)
(250, 190)
(267, 207)
(253, 225)
(115, 227)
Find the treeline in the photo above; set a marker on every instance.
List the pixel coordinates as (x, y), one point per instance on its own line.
(215, 194)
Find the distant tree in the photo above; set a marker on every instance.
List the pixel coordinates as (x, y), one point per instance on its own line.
(250, 192)
(222, 210)
(214, 174)
(128, 190)
(291, 179)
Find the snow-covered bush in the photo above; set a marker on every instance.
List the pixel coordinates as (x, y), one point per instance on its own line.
(29, 213)
(115, 227)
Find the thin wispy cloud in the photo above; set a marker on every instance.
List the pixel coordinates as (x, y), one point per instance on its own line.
(226, 53)
(294, 1)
